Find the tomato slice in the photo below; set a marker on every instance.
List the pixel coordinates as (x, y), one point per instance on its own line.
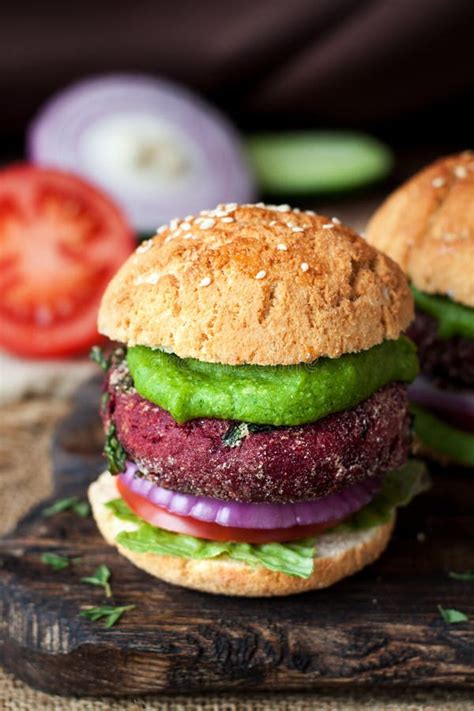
(158, 516)
(61, 240)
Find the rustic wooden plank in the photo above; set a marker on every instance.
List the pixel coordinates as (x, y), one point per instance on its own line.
(379, 627)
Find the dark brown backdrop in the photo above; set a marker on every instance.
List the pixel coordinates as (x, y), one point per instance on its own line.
(399, 67)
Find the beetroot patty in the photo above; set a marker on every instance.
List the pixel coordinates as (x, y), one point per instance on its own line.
(447, 361)
(205, 456)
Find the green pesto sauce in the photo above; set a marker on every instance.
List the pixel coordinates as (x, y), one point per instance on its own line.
(453, 319)
(273, 395)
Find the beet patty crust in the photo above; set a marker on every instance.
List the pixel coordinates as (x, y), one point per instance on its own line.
(231, 461)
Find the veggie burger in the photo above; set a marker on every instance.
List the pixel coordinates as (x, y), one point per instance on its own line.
(427, 226)
(256, 416)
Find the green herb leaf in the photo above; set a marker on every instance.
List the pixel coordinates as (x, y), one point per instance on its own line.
(56, 561)
(452, 616)
(114, 452)
(466, 575)
(100, 577)
(82, 509)
(239, 431)
(97, 355)
(111, 615)
(72, 503)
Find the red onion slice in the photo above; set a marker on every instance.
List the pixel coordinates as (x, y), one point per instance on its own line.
(242, 515)
(455, 406)
(156, 147)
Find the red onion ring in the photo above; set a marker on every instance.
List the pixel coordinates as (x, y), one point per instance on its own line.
(455, 406)
(159, 149)
(236, 514)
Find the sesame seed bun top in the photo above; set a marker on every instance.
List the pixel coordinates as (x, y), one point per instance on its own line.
(427, 226)
(256, 284)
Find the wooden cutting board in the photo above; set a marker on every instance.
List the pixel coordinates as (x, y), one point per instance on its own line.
(380, 627)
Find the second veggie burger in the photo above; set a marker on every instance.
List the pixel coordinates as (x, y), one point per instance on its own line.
(257, 423)
(427, 226)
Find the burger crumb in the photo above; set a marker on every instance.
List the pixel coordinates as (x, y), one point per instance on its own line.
(421, 537)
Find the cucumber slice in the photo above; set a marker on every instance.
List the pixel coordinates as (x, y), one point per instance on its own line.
(317, 161)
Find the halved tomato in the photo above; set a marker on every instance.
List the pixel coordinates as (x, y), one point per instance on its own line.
(158, 516)
(61, 240)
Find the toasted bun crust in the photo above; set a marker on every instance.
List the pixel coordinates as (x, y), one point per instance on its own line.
(252, 284)
(427, 226)
(339, 555)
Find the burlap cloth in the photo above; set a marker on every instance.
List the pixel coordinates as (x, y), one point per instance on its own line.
(25, 430)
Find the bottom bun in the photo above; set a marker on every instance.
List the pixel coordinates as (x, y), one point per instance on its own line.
(338, 555)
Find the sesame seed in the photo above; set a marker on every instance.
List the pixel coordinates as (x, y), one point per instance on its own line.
(188, 218)
(296, 209)
(282, 247)
(438, 182)
(152, 278)
(261, 274)
(336, 220)
(174, 223)
(460, 171)
(189, 235)
(310, 212)
(205, 281)
(297, 229)
(283, 208)
(207, 224)
(304, 266)
(273, 223)
(162, 229)
(328, 226)
(260, 204)
(228, 219)
(145, 246)
(185, 226)
(421, 537)
(231, 206)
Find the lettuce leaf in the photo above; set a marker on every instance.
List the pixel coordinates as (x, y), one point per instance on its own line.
(294, 558)
(399, 487)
